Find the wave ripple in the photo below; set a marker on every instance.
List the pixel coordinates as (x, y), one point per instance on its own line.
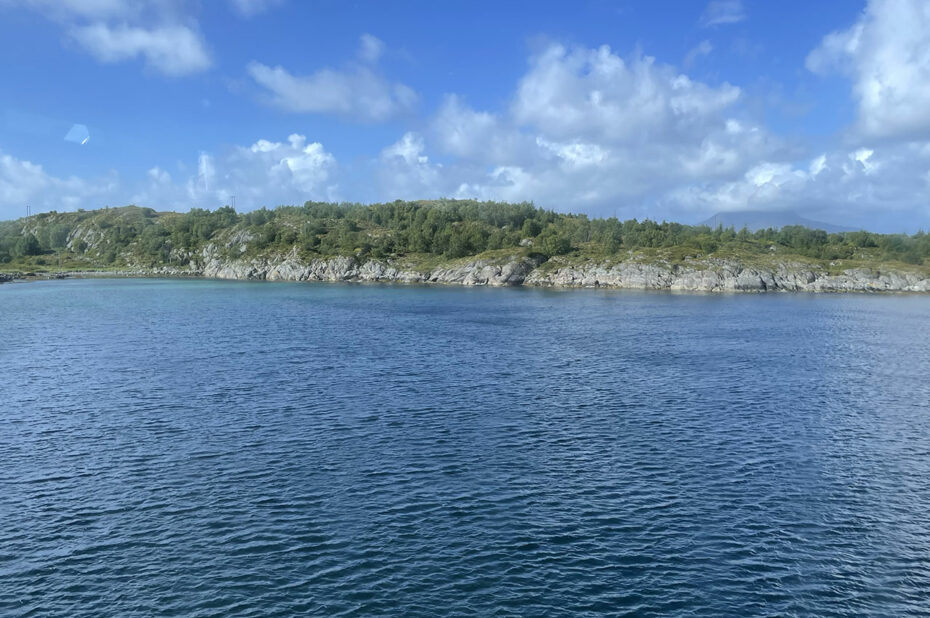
(173, 448)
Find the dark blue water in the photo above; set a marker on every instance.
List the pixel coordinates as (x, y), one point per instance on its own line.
(193, 448)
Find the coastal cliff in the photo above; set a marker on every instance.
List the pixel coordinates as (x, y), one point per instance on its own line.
(290, 267)
(728, 276)
(711, 275)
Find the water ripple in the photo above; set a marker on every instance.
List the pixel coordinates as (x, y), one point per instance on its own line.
(191, 448)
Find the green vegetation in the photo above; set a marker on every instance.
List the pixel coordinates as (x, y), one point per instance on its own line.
(421, 231)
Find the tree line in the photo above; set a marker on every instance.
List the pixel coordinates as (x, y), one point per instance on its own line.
(444, 228)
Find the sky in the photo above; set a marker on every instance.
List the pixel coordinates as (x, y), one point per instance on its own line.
(660, 109)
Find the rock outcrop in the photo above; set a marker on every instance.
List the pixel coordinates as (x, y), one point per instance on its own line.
(709, 275)
(290, 267)
(697, 276)
(726, 276)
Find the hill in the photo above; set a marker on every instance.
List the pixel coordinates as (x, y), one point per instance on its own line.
(423, 237)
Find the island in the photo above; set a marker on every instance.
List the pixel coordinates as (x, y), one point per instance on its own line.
(463, 242)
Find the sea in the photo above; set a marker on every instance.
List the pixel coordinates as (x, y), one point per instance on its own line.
(214, 448)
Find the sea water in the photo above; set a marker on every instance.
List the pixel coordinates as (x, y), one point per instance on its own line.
(204, 448)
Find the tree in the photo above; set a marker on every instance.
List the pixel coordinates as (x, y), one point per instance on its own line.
(552, 242)
(531, 228)
(27, 245)
(57, 236)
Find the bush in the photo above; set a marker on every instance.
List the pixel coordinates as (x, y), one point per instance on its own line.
(912, 257)
(552, 242)
(27, 245)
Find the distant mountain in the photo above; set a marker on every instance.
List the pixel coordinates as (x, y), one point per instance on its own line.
(761, 219)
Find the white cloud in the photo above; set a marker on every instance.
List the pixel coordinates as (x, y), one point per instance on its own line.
(405, 172)
(250, 8)
(26, 183)
(586, 130)
(886, 53)
(596, 94)
(701, 49)
(159, 175)
(409, 149)
(576, 154)
(266, 173)
(158, 31)
(304, 166)
(817, 165)
(860, 187)
(173, 50)
(722, 12)
(863, 158)
(370, 48)
(464, 132)
(590, 131)
(505, 182)
(359, 92)
(206, 173)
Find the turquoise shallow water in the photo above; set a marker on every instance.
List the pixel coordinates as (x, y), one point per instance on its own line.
(199, 448)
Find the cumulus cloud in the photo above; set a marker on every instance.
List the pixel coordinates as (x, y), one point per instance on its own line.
(24, 182)
(172, 50)
(360, 91)
(590, 131)
(586, 129)
(858, 187)
(597, 94)
(156, 31)
(405, 172)
(721, 12)
(306, 167)
(266, 173)
(464, 132)
(886, 53)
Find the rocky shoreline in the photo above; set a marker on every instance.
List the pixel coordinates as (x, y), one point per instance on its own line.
(21, 276)
(698, 276)
(710, 275)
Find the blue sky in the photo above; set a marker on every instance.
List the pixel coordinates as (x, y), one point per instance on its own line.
(662, 109)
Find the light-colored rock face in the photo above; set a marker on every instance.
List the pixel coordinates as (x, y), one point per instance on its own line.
(238, 243)
(482, 272)
(709, 276)
(291, 268)
(722, 276)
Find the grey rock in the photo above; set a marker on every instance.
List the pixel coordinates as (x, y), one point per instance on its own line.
(692, 275)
